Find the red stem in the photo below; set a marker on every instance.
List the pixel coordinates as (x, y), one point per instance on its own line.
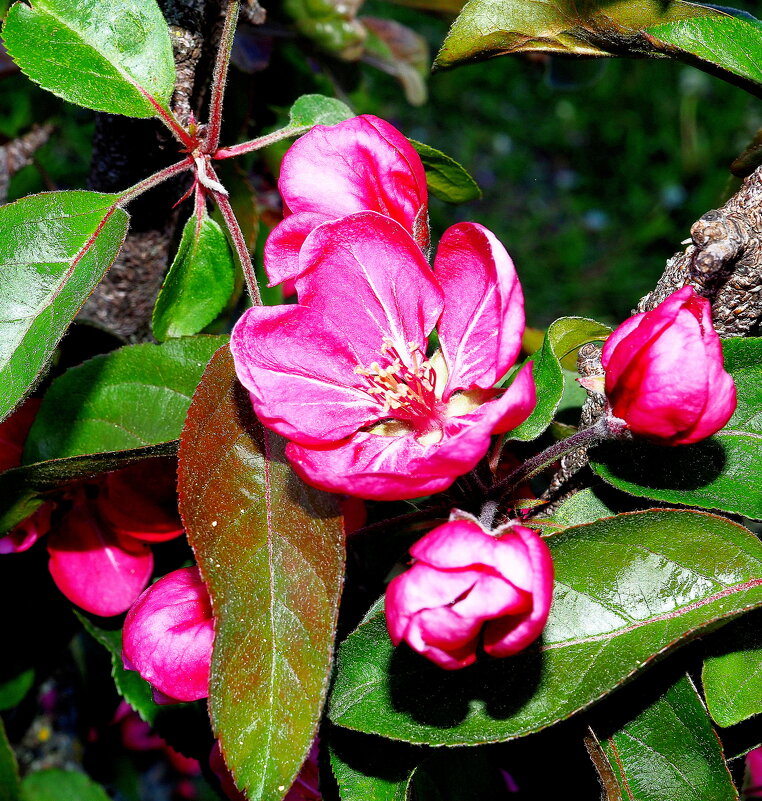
(259, 142)
(220, 77)
(168, 119)
(239, 242)
(154, 180)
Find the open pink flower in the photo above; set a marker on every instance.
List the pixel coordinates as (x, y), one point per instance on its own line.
(168, 637)
(466, 584)
(361, 164)
(344, 374)
(664, 372)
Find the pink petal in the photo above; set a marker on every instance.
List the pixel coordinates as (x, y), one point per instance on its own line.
(26, 533)
(366, 275)
(13, 433)
(300, 372)
(94, 567)
(510, 634)
(361, 164)
(141, 501)
(483, 319)
(169, 634)
(282, 247)
(455, 544)
(449, 658)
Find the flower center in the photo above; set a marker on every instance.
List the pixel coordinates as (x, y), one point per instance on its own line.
(406, 391)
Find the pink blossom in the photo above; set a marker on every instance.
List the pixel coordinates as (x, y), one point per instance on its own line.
(94, 567)
(664, 373)
(465, 585)
(98, 529)
(361, 164)
(168, 637)
(753, 788)
(344, 374)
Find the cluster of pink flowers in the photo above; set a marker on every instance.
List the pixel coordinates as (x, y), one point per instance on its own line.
(99, 531)
(344, 374)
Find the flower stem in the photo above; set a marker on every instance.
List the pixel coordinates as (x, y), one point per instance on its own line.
(154, 180)
(219, 78)
(259, 142)
(239, 242)
(605, 428)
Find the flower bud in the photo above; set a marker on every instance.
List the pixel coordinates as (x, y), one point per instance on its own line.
(664, 372)
(168, 637)
(466, 584)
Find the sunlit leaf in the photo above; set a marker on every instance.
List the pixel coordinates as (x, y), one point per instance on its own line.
(271, 551)
(628, 588)
(445, 178)
(668, 751)
(199, 282)
(54, 249)
(111, 56)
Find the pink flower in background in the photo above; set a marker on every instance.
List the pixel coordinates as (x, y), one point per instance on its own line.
(99, 530)
(753, 785)
(362, 164)
(466, 585)
(664, 372)
(168, 637)
(344, 374)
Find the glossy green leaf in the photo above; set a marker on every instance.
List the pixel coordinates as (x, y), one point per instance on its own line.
(564, 336)
(23, 489)
(54, 249)
(111, 56)
(135, 690)
(370, 768)
(729, 45)
(732, 675)
(271, 551)
(131, 398)
(309, 110)
(9, 772)
(628, 588)
(445, 178)
(488, 28)
(14, 690)
(61, 785)
(199, 282)
(669, 751)
(722, 472)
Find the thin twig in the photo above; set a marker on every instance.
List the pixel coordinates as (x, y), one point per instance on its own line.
(220, 77)
(259, 142)
(154, 180)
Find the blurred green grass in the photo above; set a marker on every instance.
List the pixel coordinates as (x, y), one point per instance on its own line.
(592, 171)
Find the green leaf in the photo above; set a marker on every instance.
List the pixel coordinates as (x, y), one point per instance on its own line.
(131, 398)
(732, 676)
(14, 690)
(54, 249)
(722, 472)
(370, 768)
(309, 110)
(271, 551)
(61, 785)
(23, 489)
(135, 690)
(668, 751)
(563, 337)
(583, 507)
(488, 28)
(729, 46)
(114, 56)
(628, 588)
(445, 178)
(199, 282)
(9, 771)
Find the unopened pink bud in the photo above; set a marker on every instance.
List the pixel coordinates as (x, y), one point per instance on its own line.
(467, 585)
(169, 634)
(664, 372)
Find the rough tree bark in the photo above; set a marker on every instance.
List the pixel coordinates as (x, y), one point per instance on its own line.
(127, 150)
